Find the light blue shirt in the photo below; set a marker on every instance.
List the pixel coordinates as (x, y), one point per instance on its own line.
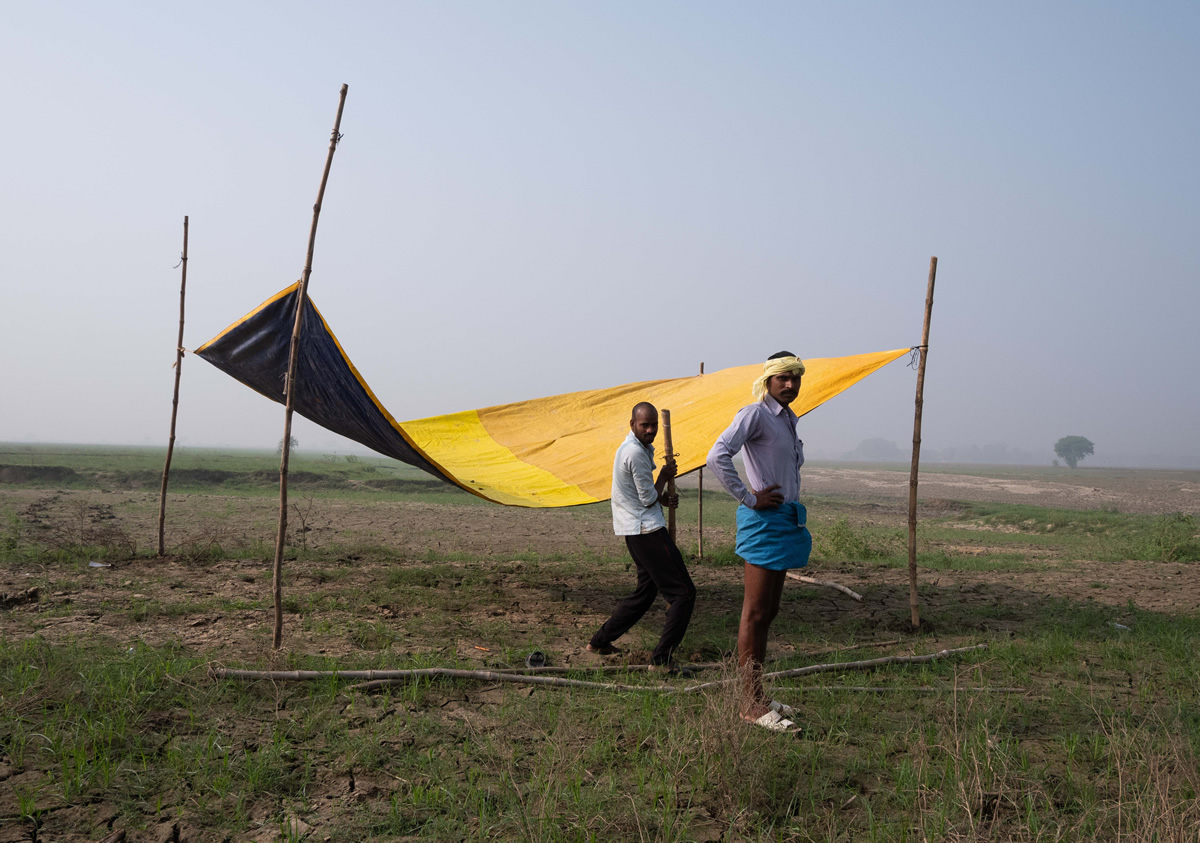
(773, 452)
(635, 505)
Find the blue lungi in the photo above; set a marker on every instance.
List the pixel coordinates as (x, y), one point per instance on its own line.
(776, 539)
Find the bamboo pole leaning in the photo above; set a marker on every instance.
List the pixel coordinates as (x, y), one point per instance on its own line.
(290, 383)
(668, 455)
(916, 453)
(162, 496)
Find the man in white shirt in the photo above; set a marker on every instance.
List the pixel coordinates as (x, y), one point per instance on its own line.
(637, 500)
(772, 524)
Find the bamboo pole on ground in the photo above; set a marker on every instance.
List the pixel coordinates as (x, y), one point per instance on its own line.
(669, 454)
(827, 583)
(866, 664)
(700, 505)
(290, 383)
(379, 678)
(162, 497)
(916, 453)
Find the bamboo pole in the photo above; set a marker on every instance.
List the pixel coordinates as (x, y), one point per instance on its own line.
(916, 453)
(700, 505)
(290, 382)
(843, 648)
(596, 668)
(669, 454)
(867, 664)
(828, 584)
(378, 678)
(162, 497)
(523, 670)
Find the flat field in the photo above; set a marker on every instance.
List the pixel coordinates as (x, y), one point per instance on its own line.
(1077, 719)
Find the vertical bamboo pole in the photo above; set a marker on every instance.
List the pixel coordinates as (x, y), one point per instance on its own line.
(668, 454)
(700, 505)
(162, 496)
(916, 454)
(290, 383)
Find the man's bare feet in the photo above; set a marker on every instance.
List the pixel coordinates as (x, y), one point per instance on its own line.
(773, 721)
(606, 650)
(754, 711)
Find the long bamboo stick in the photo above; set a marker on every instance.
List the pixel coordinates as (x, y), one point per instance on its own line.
(551, 669)
(669, 454)
(378, 678)
(619, 668)
(162, 497)
(906, 689)
(867, 664)
(596, 668)
(626, 668)
(381, 677)
(916, 453)
(290, 383)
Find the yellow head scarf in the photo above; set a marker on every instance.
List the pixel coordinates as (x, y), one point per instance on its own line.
(778, 366)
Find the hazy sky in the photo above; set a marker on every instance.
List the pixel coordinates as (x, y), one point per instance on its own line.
(538, 197)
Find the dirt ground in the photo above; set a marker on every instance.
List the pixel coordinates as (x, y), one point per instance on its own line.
(470, 534)
(1126, 490)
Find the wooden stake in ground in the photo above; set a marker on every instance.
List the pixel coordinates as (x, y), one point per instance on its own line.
(916, 453)
(162, 497)
(669, 454)
(700, 507)
(290, 383)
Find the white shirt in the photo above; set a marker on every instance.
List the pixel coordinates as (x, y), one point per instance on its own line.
(635, 506)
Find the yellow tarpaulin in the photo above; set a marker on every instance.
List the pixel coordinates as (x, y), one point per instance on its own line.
(546, 452)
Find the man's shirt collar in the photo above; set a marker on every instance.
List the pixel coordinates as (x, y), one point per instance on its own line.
(649, 448)
(775, 407)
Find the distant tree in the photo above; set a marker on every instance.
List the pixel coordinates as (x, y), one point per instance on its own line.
(1073, 448)
(279, 448)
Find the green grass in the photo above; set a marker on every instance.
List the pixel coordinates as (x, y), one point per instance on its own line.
(1075, 755)
(1100, 741)
(1103, 535)
(243, 473)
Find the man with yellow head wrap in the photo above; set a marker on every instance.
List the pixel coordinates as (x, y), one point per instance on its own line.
(772, 532)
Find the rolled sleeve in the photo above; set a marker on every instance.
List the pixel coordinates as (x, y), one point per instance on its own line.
(642, 469)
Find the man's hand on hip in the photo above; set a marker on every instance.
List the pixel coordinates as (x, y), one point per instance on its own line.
(767, 498)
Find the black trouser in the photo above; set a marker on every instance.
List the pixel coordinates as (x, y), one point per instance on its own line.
(660, 569)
